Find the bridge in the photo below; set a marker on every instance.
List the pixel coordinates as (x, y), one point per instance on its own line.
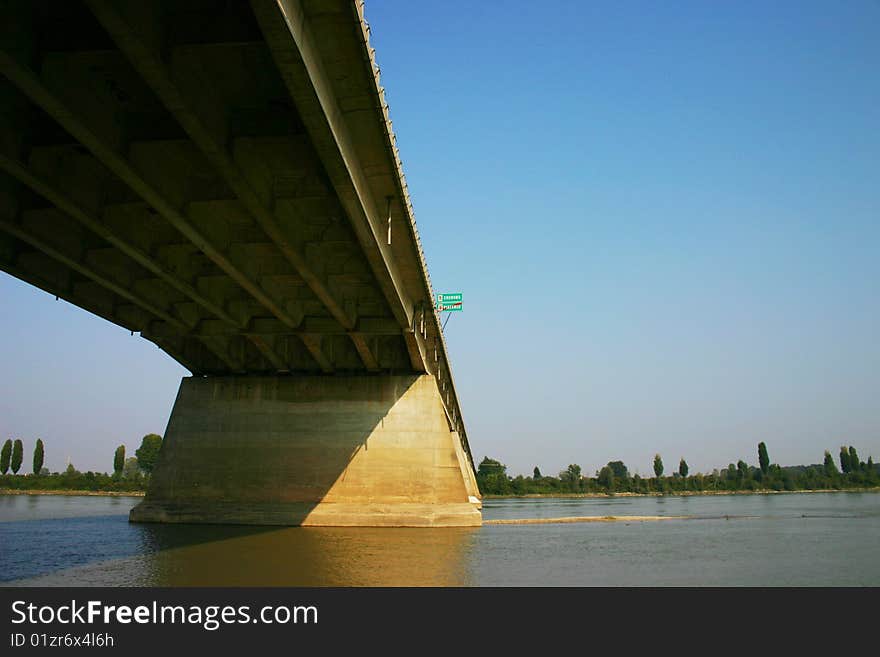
(222, 178)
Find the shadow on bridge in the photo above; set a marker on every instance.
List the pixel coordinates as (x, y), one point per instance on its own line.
(325, 451)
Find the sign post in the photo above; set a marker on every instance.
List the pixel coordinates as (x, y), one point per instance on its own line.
(449, 302)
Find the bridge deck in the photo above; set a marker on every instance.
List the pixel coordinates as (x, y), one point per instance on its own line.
(221, 178)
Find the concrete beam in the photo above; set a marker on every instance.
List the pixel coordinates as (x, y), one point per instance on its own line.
(363, 349)
(268, 327)
(26, 81)
(175, 351)
(262, 343)
(10, 226)
(312, 342)
(417, 350)
(223, 351)
(205, 124)
(180, 328)
(65, 293)
(286, 29)
(21, 173)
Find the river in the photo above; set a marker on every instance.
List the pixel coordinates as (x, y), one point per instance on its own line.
(799, 539)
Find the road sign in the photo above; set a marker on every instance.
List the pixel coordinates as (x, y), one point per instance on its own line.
(449, 302)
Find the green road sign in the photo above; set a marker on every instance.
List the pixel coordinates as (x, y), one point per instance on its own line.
(449, 302)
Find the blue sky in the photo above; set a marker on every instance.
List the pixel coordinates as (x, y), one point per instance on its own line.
(664, 218)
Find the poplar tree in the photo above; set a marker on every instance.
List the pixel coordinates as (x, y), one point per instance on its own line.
(854, 464)
(763, 458)
(830, 468)
(536, 474)
(658, 466)
(17, 455)
(844, 460)
(5, 453)
(119, 460)
(38, 456)
(683, 468)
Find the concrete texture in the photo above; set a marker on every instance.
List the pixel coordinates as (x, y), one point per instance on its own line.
(314, 451)
(221, 178)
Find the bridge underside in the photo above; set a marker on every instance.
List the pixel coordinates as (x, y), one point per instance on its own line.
(222, 178)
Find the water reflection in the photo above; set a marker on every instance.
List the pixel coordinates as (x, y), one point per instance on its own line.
(304, 556)
(802, 539)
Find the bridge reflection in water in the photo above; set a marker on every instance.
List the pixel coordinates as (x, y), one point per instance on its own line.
(302, 556)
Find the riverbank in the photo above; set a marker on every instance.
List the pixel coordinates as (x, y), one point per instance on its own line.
(572, 519)
(682, 493)
(95, 493)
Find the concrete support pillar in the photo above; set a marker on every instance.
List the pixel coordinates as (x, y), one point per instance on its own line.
(371, 451)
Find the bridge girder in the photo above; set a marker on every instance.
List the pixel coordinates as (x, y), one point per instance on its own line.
(222, 180)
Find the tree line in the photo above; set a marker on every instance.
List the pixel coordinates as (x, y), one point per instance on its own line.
(129, 474)
(615, 477)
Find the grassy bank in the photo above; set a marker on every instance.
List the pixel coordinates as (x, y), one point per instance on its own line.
(683, 493)
(73, 482)
(97, 493)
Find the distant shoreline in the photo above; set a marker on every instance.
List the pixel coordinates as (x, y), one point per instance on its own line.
(685, 493)
(91, 493)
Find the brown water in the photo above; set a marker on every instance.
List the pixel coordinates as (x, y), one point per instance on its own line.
(798, 539)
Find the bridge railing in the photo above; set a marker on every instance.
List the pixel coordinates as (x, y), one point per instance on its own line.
(443, 372)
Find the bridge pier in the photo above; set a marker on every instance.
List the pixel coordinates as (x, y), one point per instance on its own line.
(373, 451)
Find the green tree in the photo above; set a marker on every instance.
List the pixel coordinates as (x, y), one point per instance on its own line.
(854, 464)
(492, 477)
(131, 470)
(637, 483)
(5, 453)
(683, 467)
(658, 466)
(763, 458)
(731, 472)
(829, 467)
(571, 476)
(519, 485)
(536, 473)
(844, 460)
(148, 452)
(17, 455)
(119, 460)
(487, 466)
(619, 469)
(870, 465)
(742, 470)
(38, 456)
(606, 478)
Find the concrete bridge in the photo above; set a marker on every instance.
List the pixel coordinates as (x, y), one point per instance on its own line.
(221, 177)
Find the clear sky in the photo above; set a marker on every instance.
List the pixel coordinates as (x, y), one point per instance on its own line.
(664, 218)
